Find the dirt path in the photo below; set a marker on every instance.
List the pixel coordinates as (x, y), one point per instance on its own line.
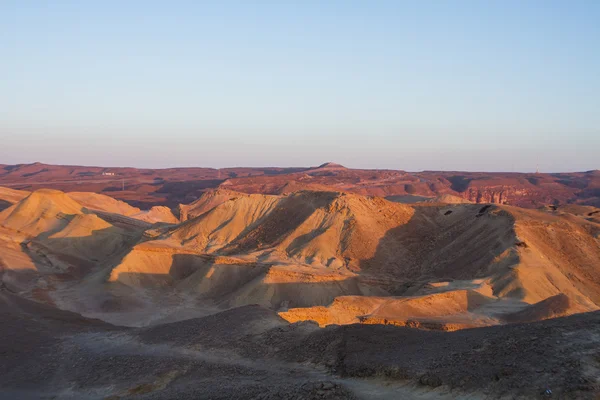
(278, 372)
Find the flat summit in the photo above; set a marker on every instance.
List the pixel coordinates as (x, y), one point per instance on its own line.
(331, 165)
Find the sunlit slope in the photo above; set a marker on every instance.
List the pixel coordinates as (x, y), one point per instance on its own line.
(96, 201)
(320, 228)
(223, 224)
(41, 211)
(100, 202)
(89, 237)
(556, 255)
(300, 249)
(206, 202)
(48, 233)
(308, 248)
(8, 197)
(503, 259)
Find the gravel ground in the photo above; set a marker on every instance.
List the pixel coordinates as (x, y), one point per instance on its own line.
(250, 353)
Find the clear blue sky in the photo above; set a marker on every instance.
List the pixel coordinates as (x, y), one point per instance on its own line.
(469, 85)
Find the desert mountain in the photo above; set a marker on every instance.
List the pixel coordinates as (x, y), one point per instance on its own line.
(331, 257)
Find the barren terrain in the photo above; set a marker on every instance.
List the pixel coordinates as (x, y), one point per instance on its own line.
(297, 292)
(145, 188)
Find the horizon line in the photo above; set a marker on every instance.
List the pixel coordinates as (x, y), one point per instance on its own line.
(323, 165)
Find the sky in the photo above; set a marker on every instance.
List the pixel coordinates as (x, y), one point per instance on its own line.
(413, 85)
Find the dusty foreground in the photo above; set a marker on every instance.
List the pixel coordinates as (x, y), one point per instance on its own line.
(250, 353)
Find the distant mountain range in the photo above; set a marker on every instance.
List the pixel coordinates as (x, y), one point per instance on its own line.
(145, 188)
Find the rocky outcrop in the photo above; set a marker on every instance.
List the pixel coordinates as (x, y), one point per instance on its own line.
(495, 194)
(516, 195)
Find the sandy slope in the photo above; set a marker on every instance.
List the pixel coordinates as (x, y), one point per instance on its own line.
(448, 199)
(323, 228)
(447, 310)
(89, 237)
(461, 265)
(209, 200)
(8, 197)
(41, 211)
(518, 257)
(157, 214)
(48, 241)
(99, 202)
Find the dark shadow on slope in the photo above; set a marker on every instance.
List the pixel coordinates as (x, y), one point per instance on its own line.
(4, 205)
(121, 221)
(13, 304)
(182, 266)
(422, 250)
(231, 284)
(72, 258)
(16, 280)
(301, 240)
(459, 183)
